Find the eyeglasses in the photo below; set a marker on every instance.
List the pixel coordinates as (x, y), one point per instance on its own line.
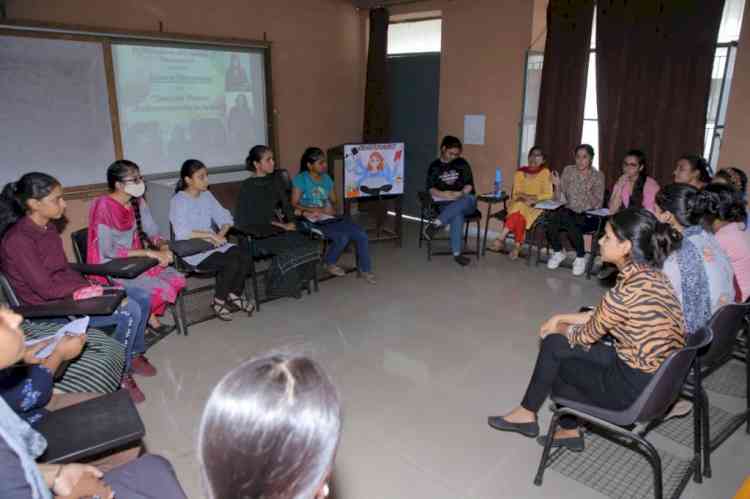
(133, 180)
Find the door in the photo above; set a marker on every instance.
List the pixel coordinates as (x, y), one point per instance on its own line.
(414, 89)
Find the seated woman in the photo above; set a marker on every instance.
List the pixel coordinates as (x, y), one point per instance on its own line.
(724, 213)
(693, 170)
(736, 178)
(194, 212)
(312, 196)
(295, 256)
(121, 225)
(581, 188)
(641, 313)
(700, 271)
(33, 260)
(531, 184)
(22, 478)
(634, 189)
(282, 417)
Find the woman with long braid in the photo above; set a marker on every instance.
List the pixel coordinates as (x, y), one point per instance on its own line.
(121, 225)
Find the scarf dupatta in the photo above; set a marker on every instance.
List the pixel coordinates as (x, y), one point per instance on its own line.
(696, 299)
(110, 213)
(27, 444)
(531, 170)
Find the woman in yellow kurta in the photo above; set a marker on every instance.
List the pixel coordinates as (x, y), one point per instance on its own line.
(531, 184)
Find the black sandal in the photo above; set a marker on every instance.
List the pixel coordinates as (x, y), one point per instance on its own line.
(222, 311)
(242, 303)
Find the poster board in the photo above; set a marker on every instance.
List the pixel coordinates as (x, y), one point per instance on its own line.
(373, 166)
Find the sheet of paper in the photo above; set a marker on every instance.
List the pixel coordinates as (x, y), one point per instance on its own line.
(73, 328)
(319, 217)
(549, 205)
(474, 125)
(601, 212)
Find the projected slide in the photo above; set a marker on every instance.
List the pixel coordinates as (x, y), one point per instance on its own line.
(177, 103)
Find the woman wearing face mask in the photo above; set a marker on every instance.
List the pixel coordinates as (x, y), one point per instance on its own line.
(33, 260)
(121, 225)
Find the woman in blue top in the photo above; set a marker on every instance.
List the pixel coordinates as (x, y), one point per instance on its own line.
(313, 197)
(194, 213)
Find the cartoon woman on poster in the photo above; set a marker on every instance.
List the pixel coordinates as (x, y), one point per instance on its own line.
(377, 173)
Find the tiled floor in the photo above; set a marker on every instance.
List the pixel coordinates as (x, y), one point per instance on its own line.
(420, 360)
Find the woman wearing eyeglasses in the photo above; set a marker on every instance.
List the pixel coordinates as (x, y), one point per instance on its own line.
(121, 225)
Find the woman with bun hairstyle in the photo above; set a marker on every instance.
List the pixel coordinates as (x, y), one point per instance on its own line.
(642, 314)
(700, 271)
(723, 213)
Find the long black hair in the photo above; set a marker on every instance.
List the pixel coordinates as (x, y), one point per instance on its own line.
(720, 202)
(118, 172)
(16, 195)
(311, 155)
(255, 156)
(699, 164)
(734, 177)
(681, 200)
(188, 169)
(270, 428)
(652, 241)
(451, 142)
(636, 197)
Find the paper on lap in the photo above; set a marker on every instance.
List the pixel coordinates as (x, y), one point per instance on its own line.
(72, 328)
(549, 205)
(601, 212)
(318, 217)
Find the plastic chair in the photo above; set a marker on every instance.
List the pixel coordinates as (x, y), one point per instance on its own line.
(726, 323)
(429, 212)
(652, 404)
(79, 239)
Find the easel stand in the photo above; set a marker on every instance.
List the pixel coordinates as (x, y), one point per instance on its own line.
(377, 208)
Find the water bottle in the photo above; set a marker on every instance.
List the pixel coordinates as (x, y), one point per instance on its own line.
(498, 181)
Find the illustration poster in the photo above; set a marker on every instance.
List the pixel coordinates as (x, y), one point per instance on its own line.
(370, 168)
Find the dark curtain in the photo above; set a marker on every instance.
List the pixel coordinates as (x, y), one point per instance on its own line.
(563, 90)
(376, 91)
(654, 61)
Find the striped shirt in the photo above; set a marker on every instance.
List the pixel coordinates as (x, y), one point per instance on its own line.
(642, 314)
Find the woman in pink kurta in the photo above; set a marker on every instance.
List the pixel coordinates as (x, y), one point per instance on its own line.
(724, 213)
(634, 189)
(121, 225)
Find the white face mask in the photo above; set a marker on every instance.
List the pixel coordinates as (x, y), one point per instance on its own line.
(135, 190)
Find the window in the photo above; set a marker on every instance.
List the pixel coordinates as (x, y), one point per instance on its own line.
(533, 84)
(721, 82)
(413, 37)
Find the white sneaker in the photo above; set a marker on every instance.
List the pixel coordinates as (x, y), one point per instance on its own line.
(579, 265)
(555, 260)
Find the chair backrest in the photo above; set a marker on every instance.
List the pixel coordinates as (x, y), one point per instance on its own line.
(725, 324)
(7, 295)
(80, 239)
(665, 386)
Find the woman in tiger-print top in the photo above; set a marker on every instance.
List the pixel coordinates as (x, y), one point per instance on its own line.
(641, 313)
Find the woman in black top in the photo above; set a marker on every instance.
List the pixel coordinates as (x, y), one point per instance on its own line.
(263, 204)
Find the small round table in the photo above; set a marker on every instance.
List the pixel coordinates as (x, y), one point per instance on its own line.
(491, 199)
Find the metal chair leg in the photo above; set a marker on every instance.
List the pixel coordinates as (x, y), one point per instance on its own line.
(479, 234)
(697, 437)
(705, 430)
(181, 315)
(655, 460)
(547, 449)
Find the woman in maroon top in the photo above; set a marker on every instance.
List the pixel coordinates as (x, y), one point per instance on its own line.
(33, 260)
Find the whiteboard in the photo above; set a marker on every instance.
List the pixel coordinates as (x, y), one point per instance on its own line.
(54, 110)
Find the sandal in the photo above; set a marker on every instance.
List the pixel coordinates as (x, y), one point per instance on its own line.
(222, 311)
(496, 246)
(240, 303)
